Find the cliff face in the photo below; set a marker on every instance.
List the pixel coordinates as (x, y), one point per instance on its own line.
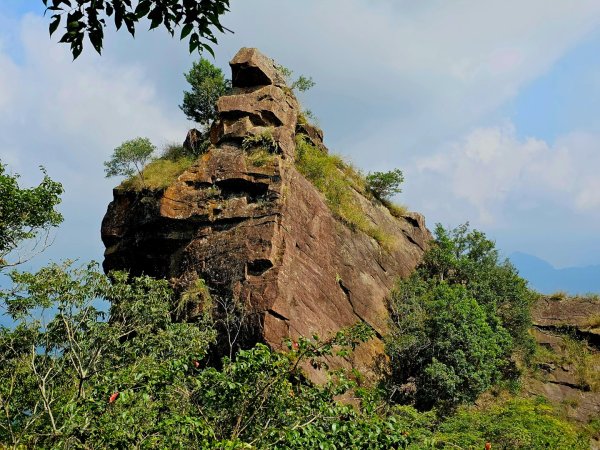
(568, 331)
(261, 235)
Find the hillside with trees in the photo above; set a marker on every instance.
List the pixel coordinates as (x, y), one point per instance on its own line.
(264, 293)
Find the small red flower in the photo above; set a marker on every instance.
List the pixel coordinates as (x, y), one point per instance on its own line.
(196, 364)
(295, 345)
(113, 397)
(488, 446)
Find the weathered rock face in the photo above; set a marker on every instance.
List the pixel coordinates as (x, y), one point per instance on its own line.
(570, 374)
(580, 314)
(261, 235)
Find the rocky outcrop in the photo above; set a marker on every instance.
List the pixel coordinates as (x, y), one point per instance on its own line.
(579, 314)
(568, 372)
(260, 234)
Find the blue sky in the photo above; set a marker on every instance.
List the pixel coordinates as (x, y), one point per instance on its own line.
(565, 98)
(492, 109)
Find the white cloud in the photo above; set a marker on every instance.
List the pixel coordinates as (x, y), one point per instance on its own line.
(416, 71)
(426, 70)
(501, 176)
(69, 116)
(396, 79)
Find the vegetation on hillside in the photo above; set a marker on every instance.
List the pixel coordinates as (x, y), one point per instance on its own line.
(130, 158)
(458, 323)
(300, 84)
(134, 160)
(139, 380)
(135, 379)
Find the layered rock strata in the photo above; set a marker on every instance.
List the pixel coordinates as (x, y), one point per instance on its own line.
(259, 233)
(569, 373)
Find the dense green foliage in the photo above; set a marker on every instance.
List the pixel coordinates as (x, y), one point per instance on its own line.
(457, 321)
(135, 379)
(383, 185)
(25, 213)
(444, 347)
(129, 158)
(208, 83)
(62, 362)
(465, 257)
(74, 377)
(513, 424)
(88, 18)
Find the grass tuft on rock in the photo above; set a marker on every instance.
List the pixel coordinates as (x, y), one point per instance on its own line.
(161, 172)
(336, 180)
(260, 157)
(396, 210)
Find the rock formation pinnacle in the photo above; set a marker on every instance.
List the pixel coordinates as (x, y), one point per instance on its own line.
(261, 235)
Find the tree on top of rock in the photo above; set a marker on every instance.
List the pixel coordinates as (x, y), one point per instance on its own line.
(208, 84)
(129, 158)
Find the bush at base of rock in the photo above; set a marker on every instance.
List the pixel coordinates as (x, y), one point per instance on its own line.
(457, 321)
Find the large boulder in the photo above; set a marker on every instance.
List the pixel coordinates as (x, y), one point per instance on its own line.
(262, 236)
(249, 67)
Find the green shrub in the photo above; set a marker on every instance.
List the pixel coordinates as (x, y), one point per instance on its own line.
(129, 158)
(395, 209)
(79, 377)
(208, 83)
(174, 152)
(26, 213)
(514, 424)
(443, 342)
(465, 257)
(301, 84)
(456, 322)
(307, 117)
(385, 184)
(260, 157)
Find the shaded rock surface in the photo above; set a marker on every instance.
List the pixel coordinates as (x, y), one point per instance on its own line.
(261, 235)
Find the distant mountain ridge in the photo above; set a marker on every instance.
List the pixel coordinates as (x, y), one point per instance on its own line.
(545, 278)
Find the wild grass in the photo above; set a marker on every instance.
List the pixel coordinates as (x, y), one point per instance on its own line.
(576, 354)
(261, 149)
(161, 172)
(260, 157)
(396, 210)
(193, 300)
(585, 362)
(264, 140)
(336, 180)
(558, 296)
(307, 117)
(592, 321)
